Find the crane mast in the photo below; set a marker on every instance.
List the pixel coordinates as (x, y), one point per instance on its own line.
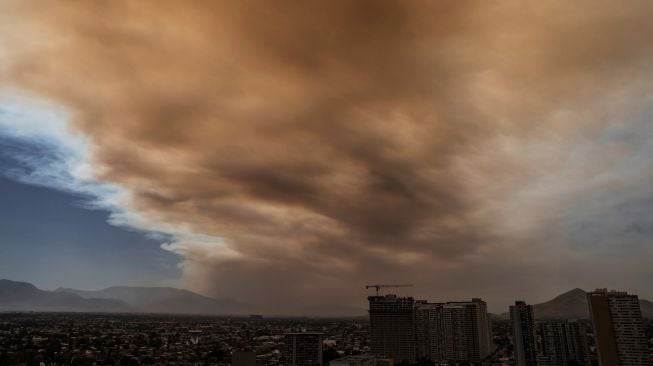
(378, 287)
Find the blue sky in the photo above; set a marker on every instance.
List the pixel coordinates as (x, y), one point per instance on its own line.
(50, 240)
(53, 236)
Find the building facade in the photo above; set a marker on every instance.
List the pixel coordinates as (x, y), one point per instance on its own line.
(392, 327)
(467, 330)
(452, 331)
(303, 349)
(563, 343)
(429, 331)
(523, 333)
(618, 328)
(406, 330)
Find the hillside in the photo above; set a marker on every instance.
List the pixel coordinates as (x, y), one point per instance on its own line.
(163, 300)
(573, 304)
(23, 296)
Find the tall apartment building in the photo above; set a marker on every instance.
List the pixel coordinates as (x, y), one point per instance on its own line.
(429, 331)
(407, 330)
(467, 330)
(576, 338)
(453, 331)
(303, 349)
(618, 328)
(457, 345)
(392, 327)
(563, 343)
(523, 333)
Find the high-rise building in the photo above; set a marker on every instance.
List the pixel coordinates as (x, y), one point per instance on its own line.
(407, 330)
(452, 331)
(466, 327)
(429, 331)
(523, 333)
(303, 349)
(392, 327)
(618, 328)
(576, 338)
(456, 343)
(563, 343)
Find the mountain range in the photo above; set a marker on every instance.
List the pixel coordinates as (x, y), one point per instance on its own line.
(23, 296)
(573, 305)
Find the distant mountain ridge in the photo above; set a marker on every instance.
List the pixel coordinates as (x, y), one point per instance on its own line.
(23, 296)
(569, 305)
(163, 300)
(573, 305)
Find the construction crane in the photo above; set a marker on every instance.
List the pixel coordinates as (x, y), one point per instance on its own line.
(378, 287)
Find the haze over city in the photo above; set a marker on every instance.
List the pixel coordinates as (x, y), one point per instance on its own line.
(285, 154)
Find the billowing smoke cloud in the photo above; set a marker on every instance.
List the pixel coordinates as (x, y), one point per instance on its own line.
(314, 147)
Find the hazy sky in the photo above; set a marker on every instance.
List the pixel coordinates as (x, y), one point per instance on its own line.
(286, 153)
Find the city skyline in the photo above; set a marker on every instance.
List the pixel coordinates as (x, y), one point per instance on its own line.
(477, 149)
(571, 304)
(400, 330)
